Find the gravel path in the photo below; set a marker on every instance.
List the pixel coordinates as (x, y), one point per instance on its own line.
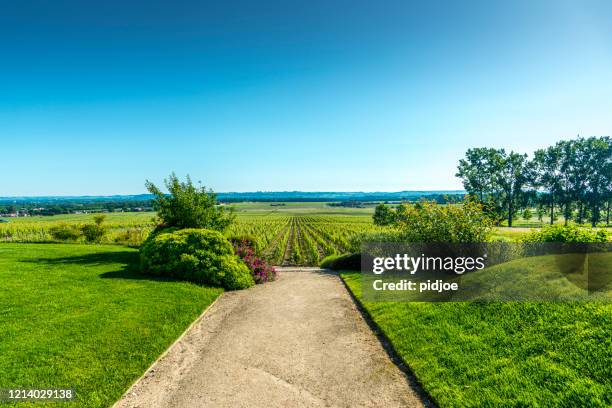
(296, 342)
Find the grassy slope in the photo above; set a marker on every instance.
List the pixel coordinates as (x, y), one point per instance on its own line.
(502, 354)
(76, 316)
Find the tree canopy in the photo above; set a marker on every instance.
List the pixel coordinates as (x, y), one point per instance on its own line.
(188, 206)
(573, 177)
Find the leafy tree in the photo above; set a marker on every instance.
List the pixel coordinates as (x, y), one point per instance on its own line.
(188, 206)
(383, 215)
(574, 176)
(476, 171)
(598, 152)
(499, 176)
(527, 214)
(548, 175)
(540, 211)
(510, 176)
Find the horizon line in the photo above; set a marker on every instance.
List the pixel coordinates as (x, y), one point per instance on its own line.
(238, 192)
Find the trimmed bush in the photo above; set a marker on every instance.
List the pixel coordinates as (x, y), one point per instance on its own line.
(346, 262)
(196, 255)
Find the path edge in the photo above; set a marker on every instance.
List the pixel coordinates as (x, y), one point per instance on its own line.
(170, 347)
(387, 345)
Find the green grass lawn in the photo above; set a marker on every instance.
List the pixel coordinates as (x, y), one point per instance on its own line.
(79, 316)
(502, 354)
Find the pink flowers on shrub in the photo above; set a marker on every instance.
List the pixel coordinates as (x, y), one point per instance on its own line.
(261, 270)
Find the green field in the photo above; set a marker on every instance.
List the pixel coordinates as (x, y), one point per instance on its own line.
(121, 227)
(79, 316)
(468, 354)
(292, 233)
(287, 233)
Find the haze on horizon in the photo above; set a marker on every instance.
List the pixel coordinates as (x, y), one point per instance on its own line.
(289, 95)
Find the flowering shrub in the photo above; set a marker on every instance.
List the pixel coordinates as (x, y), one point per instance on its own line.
(262, 272)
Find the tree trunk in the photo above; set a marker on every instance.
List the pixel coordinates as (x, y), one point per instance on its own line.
(552, 208)
(510, 212)
(608, 215)
(596, 203)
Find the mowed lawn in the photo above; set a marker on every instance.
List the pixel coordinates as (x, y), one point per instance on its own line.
(502, 354)
(80, 316)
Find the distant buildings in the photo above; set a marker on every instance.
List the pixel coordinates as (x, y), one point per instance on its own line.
(24, 212)
(19, 213)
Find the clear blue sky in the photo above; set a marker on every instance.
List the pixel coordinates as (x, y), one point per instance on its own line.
(352, 95)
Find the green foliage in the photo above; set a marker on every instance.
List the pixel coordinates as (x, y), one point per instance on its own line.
(527, 214)
(571, 174)
(99, 219)
(246, 240)
(197, 255)
(541, 212)
(345, 262)
(65, 232)
(498, 174)
(38, 229)
(568, 233)
(477, 170)
(93, 232)
(430, 222)
(383, 215)
(189, 206)
(132, 237)
(96, 231)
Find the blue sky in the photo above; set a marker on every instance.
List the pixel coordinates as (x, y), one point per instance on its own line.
(96, 97)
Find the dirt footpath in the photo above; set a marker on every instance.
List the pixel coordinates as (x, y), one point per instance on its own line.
(296, 342)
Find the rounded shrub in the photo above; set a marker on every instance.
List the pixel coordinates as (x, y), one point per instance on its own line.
(197, 255)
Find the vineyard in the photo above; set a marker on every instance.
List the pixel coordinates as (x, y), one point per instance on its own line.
(302, 239)
(291, 235)
(123, 228)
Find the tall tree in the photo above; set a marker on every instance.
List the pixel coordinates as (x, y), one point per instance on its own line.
(476, 171)
(548, 176)
(511, 174)
(567, 196)
(598, 158)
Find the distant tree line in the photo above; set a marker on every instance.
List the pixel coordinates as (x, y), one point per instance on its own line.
(572, 178)
(68, 207)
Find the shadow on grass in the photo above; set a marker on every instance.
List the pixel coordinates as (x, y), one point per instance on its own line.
(128, 265)
(129, 259)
